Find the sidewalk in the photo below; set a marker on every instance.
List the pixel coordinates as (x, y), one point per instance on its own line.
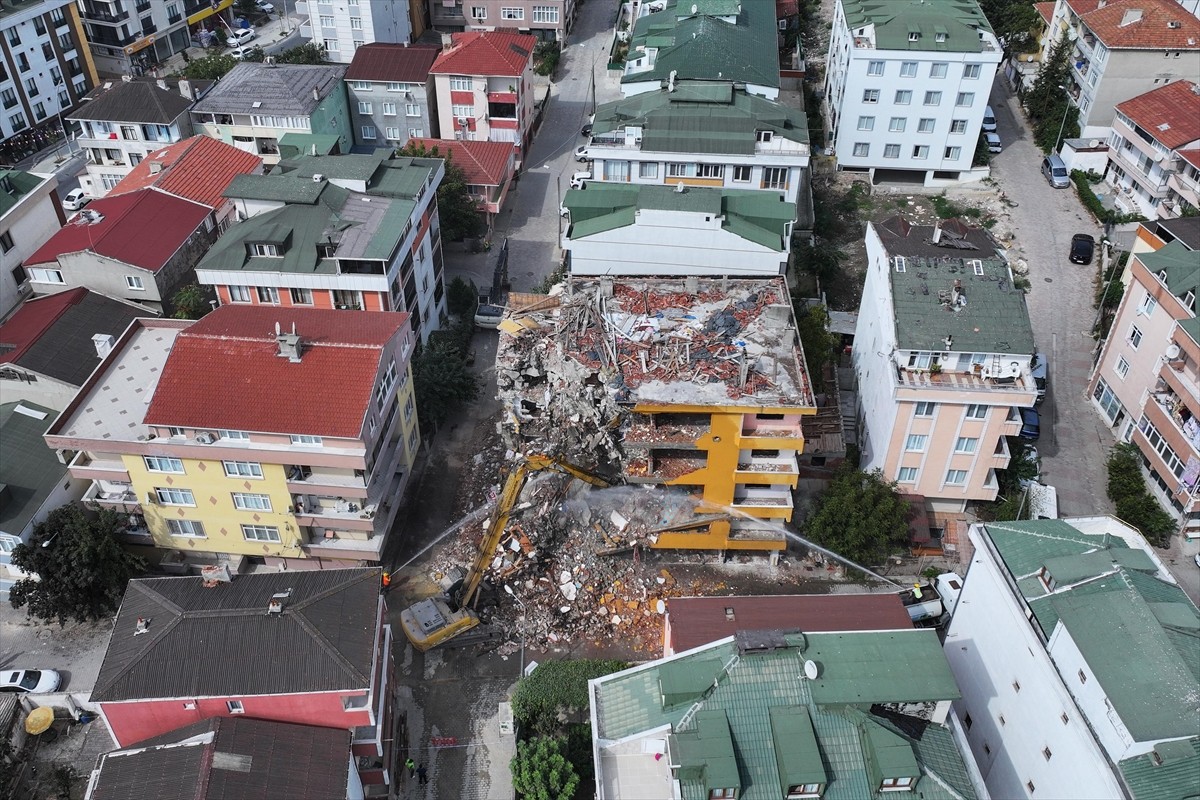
(270, 36)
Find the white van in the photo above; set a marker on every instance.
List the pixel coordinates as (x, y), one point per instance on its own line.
(989, 120)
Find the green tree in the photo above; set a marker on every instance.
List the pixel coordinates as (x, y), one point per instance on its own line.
(1144, 513)
(461, 297)
(812, 323)
(541, 772)
(1014, 22)
(442, 380)
(861, 517)
(823, 260)
(557, 689)
(307, 53)
(211, 67)
(1125, 478)
(1047, 101)
(81, 569)
(458, 210)
(247, 9)
(191, 302)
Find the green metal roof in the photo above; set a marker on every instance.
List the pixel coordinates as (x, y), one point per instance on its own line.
(22, 183)
(1172, 779)
(351, 166)
(759, 217)
(706, 754)
(889, 755)
(294, 144)
(686, 681)
(700, 117)
(894, 20)
(762, 694)
(1180, 268)
(282, 189)
(707, 47)
(30, 470)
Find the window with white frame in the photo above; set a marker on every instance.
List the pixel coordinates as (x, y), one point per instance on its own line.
(1135, 336)
(907, 475)
(956, 477)
(134, 282)
(244, 501)
(364, 107)
(163, 464)
(460, 83)
(326, 21)
(908, 69)
(414, 109)
(862, 149)
(259, 533)
(361, 86)
(897, 124)
(239, 294)
(678, 170)
(177, 433)
(234, 436)
(170, 496)
(265, 250)
(924, 409)
(953, 154)
(866, 123)
(874, 68)
(331, 45)
(1147, 306)
(938, 70)
(479, 12)
(975, 411)
(359, 43)
(709, 170)
(933, 98)
(764, 135)
(416, 133)
(461, 110)
(546, 14)
(242, 469)
(742, 173)
(870, 96)
(958, 126)
(971, 71)
(386, 384)
(43, 275)
(392, 134)
(920, 151)
(512, 13)
(301, 297)
(1107, 398)
(397, 86)
(1159, 445)
(268, 295)
(775, 177)
(895, 783)
(903, 97)
(926, 125)
(368, 131)
(389, 109)
(1122, 368)
(356, 23)
(188, 528)
(891, 151)
(649, 169)
(965, 99)
(966, 444)
(304, 439)
(915, 443)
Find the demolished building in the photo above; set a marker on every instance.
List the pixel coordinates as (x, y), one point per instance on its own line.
(696, 385)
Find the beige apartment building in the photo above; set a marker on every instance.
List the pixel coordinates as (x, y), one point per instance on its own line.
(943, 353)
(1147, 381)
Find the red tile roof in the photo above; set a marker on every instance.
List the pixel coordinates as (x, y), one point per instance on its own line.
(142, 228)
(1191, 156)
(1171, 113)
(484, 163)
(486, 53)
(392, 62)
(785, 9)
(199, 169)
(695, 621)
(32, 320)
(1083, 6)
(1152, 31)
(1046, 10)
(223, 371)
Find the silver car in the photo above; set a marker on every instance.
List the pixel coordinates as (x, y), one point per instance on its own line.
(32, 681)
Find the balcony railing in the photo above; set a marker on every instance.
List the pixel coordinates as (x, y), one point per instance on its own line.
(105, 16)
(958, 381)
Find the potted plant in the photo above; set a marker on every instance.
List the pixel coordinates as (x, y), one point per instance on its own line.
(935, 371)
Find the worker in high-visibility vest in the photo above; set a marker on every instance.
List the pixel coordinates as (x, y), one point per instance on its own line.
(387, 582)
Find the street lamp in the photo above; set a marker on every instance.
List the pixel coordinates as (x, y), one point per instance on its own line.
(1063, 124)
(51, 539)
(513, 595)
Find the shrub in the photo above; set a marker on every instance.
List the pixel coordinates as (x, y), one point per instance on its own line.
(555, 689)
(1144, 513)
(1125, 473)
(1083, 187)
(541, 772)
(461, 297)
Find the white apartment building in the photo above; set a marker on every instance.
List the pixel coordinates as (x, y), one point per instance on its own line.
(130, 37)
(1075, 652)
(29, 215)
(1120, 50)
(343, 27)
(942, 352)
(548, 20)
(906, 87)
(46, 69)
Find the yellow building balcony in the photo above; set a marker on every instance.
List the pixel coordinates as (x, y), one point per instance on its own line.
(789, 437)
(763, 503)
(774, 470)
(99, 466)
(306, 480)
(339, 513)
(117, 496)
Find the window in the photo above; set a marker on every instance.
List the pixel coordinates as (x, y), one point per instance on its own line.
(958, 126)
(956, 477)
(914, 36)
(386, 384)
(763, 135)
(301, 297)
(389, 109)
(976, 411)
(1003, 721)
(908, 475)
(364, 108)
(1160, 446)
(460, 83)
(874, 67)
(720, 794)
(547, 14)
(1065, 719)
(242, 469)
(891, 151)
(134, 282)
(649, 169)
(741, 174)
(235, 706)
(920, 151)
(177, 433)
(163, 464)
(175, 497)
(862, 149)
(326, 21)
(462, 110)
(239, 294)
(895, 783)
(368, 131)
(1147, 305)
(6, 242)
(356, 23)
(953, 154)
(870, 96)
(512, 13)
(17, 121)
(896, 124)
(331, 45)
(926, 125)
(966, 444)
(479, 12)
(706, 170)
(1122, 368)
(237, 436)
(967, 721)
(251, 502)
(269, 295)
(916, 443)
(965, 99)
(43, 275)
(412, 110)
(775, 178)
(908, 69)
(1135, 336)
(866, 123)
(924, 409)
(971, 71)
(265, 250)
(393, 134)
(933, 98)
(1016, 686)
(299, 438)
(903, 97)
(1029, 785)
(260, 533)
(185, 527)
(938, 70)
(1107, 399)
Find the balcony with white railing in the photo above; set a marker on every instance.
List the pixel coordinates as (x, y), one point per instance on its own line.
(763, 502)
(99, 466)
(110, 494)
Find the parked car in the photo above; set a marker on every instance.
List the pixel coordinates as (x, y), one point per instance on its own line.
(240, 53)
(1082, 248)
(586, 130)
(1055, 172)
(75, 200)
(32, 681)
(579, 179)
(581, 153)
(993, 142)
(1031, 423)
(240, 37)
(264, 6)
(989, 120)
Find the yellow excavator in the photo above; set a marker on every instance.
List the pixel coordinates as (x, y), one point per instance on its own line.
(429, 623)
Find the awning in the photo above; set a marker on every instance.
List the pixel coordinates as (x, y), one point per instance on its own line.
(140, 44)
(214, 7)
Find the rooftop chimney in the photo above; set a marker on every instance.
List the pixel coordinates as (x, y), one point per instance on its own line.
(316, 94)
(1131, 16)
(275, 606)
(161, 83)
(155, 167)
(185, 89)
(104, 344)
(289, 344)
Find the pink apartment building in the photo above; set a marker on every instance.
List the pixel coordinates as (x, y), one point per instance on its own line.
(942, 351)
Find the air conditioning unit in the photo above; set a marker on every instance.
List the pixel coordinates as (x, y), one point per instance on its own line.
(204, 437)
(150, 499)
(462, 121)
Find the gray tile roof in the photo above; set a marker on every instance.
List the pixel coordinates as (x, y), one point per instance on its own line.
(284, 89)
(228, 759)
(137, 101)
(28, 468)
(65, 350)
(221, 642)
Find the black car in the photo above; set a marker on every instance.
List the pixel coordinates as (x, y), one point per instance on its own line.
(1082, 247)
(586, 130)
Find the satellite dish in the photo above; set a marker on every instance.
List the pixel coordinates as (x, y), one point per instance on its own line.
(660, 607)
(1172, 352)
(811, 670)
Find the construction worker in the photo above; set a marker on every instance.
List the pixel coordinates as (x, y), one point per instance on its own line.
(409, 764)
(387, 582)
